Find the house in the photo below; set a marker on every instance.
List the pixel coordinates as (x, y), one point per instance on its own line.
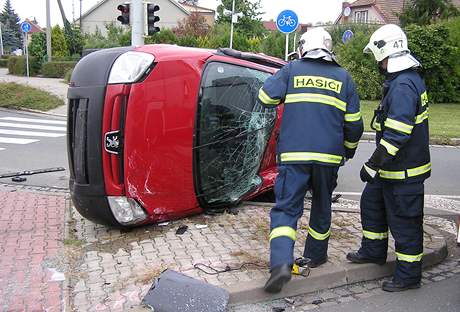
(105, 12)
(34, 28)
(208, 14)
(271, 26)
(371, 12)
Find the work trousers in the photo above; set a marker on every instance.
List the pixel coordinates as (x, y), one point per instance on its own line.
(398, 206)
(291, 185)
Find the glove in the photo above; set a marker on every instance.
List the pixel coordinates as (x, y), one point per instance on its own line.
(370, 169)
(368, 172)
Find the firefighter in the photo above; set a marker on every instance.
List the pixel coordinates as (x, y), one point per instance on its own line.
(396, 171)
(321, 128)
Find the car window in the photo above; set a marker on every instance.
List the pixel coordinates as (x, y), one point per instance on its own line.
(232, 132)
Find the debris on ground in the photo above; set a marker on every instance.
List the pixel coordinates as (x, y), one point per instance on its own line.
(173, 291)
(181, 229)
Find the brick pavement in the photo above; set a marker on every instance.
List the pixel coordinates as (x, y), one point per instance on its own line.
(31, 235)
(113, 269)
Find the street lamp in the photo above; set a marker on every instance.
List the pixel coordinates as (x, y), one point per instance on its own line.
(235, 17)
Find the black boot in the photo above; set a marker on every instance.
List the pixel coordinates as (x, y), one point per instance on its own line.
(394, 286)
(278, 278)
(356, 257)
(309, 262)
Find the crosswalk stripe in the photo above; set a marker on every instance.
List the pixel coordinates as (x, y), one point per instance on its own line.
(16, 140)
(26, 126)
(1, 149)
(32, 133)
(45, 121)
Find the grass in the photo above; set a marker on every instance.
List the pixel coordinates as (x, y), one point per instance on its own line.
(18, 96)
(444, 119)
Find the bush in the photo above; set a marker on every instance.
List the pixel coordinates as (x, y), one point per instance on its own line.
(3, 63)
(17, 65)
(68, 75)
(19, 96)
(440, 69)
(57, 69)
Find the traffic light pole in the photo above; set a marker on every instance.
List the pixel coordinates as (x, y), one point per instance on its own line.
(137, 22)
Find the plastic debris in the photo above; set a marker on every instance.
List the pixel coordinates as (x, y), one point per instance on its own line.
(18, 179)
(181, 229)
(56, 276)
(201, 226)
(163, 224)
(173, 291)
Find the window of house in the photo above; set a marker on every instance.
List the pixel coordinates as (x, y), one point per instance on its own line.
(232, 133)
(361, 16)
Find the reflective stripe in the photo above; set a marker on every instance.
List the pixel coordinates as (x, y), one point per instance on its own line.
(401, 175)
(398, 125)
(369, 170)
(283, 231)
(317, 235)
(307, 156)
(419, 170)
(409, 258)
(374, 235)
(394, 175)
(422, 117)
(424, 98)
(391, 149)
(351, 145)
(353, 117)
(264, 98)
(316, 98)
(377, 126)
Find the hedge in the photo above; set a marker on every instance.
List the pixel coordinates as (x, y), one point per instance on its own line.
(3, 63)
(17, 66)
(57, 69)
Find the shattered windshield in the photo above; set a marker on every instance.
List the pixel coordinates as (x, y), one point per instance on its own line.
(232, 133)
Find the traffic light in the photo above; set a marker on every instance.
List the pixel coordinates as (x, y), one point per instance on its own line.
(152, 19)
(124, 17)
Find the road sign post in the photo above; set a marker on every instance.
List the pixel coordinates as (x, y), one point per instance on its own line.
(287, 22)
(26, 27)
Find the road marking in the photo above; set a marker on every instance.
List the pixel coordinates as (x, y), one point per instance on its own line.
(1, 149)
(16, 141)
(32, 133)
(26, 126)
(45, 121)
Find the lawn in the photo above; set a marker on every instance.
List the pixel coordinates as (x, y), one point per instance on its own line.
(444, 119)
(13, 95)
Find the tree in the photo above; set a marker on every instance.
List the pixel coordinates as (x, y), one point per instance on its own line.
(424, 12)
(37, 46)
(12, 37)
(194, 25)
(58, 43)
(251, 23)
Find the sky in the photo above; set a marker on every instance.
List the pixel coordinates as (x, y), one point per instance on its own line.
(308, 11)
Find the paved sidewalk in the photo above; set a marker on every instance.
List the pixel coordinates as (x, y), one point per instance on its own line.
(31, 235)
(112, 269)
(54, 86)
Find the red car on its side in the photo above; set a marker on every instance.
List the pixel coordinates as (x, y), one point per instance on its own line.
(159, 132)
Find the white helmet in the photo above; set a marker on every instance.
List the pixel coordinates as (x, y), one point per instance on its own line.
(391, 41)
(315, 39)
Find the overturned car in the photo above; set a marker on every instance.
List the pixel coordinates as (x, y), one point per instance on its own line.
(159, 132)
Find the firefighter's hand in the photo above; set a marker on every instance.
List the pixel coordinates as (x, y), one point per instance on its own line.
(368, 172)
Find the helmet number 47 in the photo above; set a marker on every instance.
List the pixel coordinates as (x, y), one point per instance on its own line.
(398, 44)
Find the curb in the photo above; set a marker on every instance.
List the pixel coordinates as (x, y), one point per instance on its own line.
(32, 111)
(331, 276)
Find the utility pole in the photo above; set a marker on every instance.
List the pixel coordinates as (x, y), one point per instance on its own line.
(231, 27)
(80, 14)
(137, 22)
(48, 30)
(1, 40)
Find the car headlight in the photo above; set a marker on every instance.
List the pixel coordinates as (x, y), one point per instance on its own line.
(130, 66)
(126, 210)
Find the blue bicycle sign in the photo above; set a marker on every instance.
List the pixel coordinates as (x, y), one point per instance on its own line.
(287, 21)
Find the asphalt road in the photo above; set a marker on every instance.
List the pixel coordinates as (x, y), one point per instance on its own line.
(444, 180)
(33, 141)
(441, 296)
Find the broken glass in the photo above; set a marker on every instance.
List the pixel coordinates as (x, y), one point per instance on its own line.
(232, 133)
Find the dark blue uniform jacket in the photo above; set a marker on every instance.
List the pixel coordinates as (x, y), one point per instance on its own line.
(401, 122)
(322, 120)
